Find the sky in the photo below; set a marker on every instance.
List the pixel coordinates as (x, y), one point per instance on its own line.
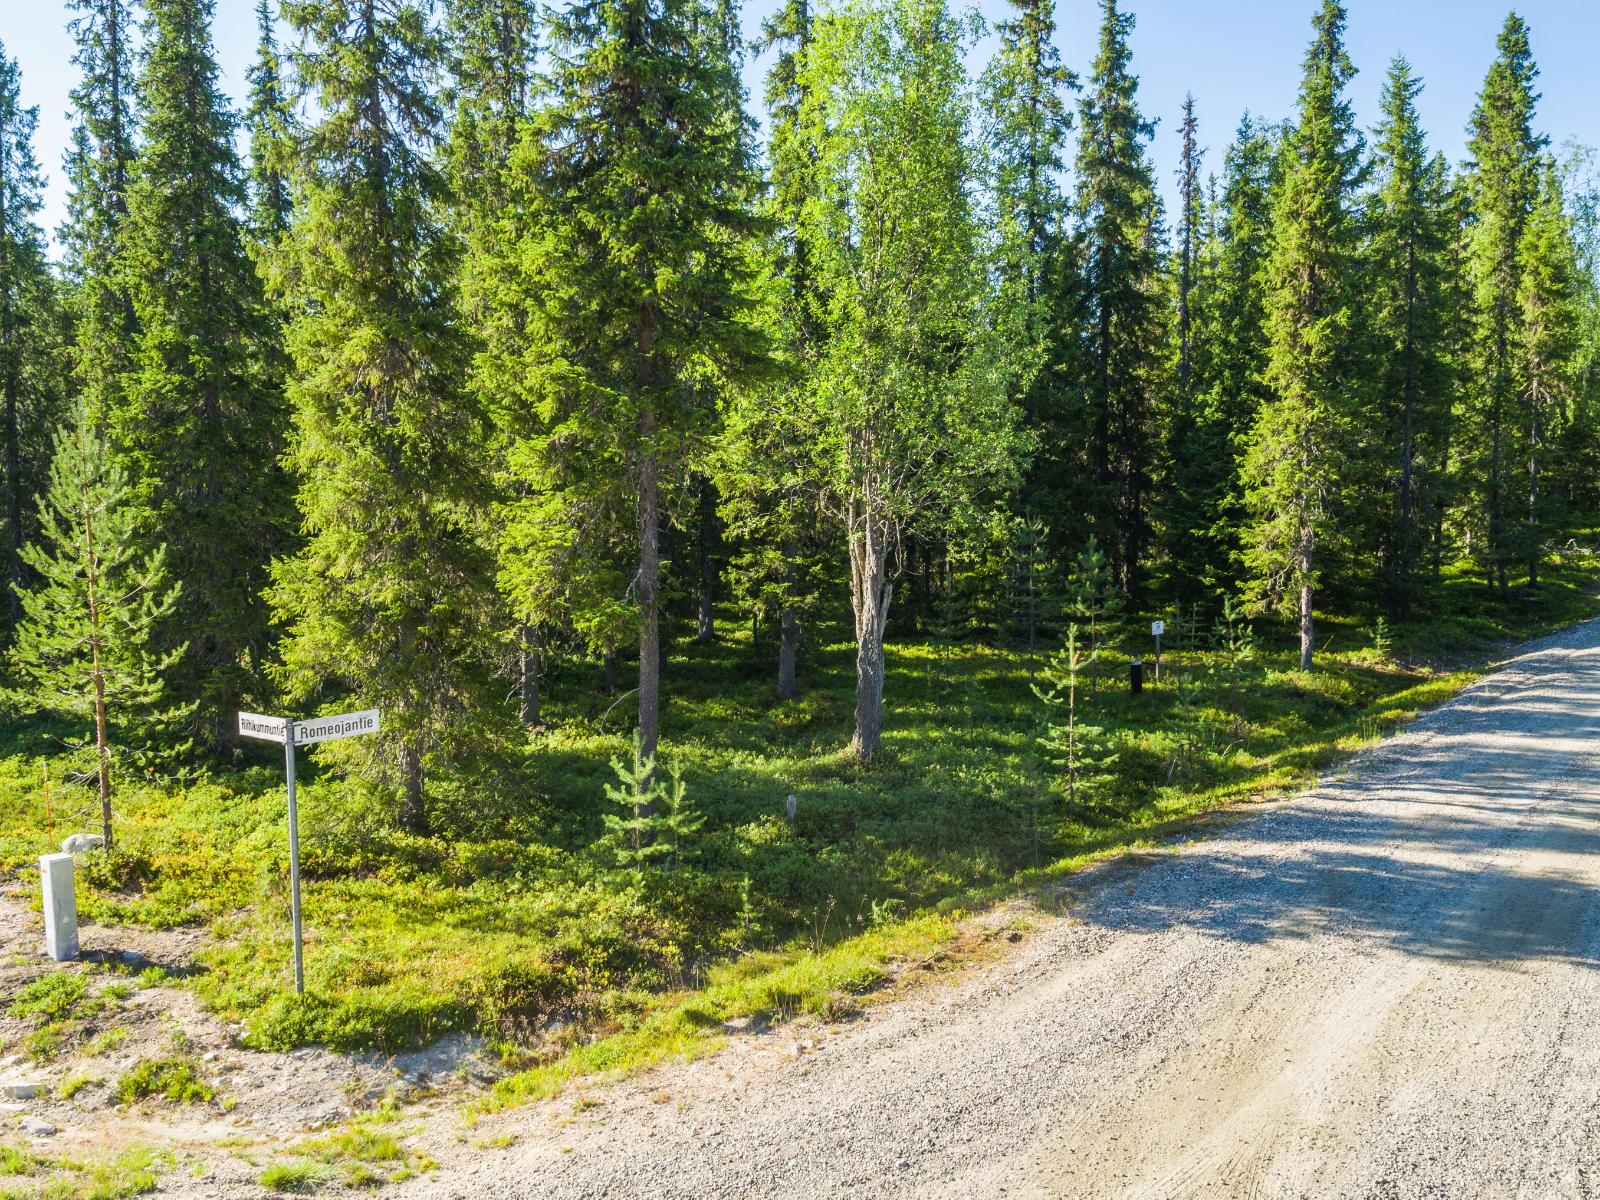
(1234, 55)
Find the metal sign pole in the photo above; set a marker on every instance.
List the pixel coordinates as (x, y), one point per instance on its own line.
(294, 859)
(318, 729)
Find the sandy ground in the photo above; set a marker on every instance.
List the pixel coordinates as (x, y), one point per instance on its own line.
(1385, 987)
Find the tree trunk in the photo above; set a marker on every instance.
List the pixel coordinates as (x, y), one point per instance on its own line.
(530, 666)
(101, 744)
(608, 684)
(649, 617)
(413, 808)
(870, 593)
(788, 654)
(705, 534)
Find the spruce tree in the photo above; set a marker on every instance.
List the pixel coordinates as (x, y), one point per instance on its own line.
(1295, 456)
(194, 416)
(30, 333)
(1414, 298)
(269, 121)
(1228, 353)
(389, 603)
(1502, 180)
(86, 646)
(493, 85)
(1024, 96)
(99, 169)
(1548, 327)
(1125, 314)
(633, 189)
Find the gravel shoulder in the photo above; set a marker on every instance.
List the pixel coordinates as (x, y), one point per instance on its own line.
(1384, 986)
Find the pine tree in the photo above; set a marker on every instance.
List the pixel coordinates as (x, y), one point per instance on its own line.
(1548, 327)
(30, 333)
(911, 418)
(194, 416)
(86, 645)
(1414, 299)
(1503, 182)
(270, 123)
(391, 596)
(1295, 456)
(1125, 313)
(99, 169)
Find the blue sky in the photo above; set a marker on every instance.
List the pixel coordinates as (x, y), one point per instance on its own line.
(1233, 54)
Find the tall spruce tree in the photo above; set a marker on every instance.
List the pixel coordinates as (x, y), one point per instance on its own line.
(1502, 179)
(1296, 453)
(1024, 95)
(390, 600)
(632, 273)
(269, 120)
(493, 53)
(1415, 304)
(99, 169)
(30, 333)
(1228, 352)
(1548, 330)
(1125, 312)
(194, 416)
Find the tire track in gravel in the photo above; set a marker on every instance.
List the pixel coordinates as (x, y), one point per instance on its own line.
(1384, 987)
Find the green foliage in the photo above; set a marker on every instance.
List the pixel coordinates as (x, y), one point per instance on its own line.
(1123, 316)
(1235, 644)
(52, 996)
(909, 420)
(86, 647)
(1502, 180)
(1299, 446)
(176, 1079)
(1093, 598)
(391, 594)
(1417, 308)
(657, 819)
(197, 420)
(1075, 748)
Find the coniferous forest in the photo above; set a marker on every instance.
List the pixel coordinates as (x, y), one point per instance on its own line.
(744, 528)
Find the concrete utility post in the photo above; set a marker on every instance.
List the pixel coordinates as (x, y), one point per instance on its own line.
(60, 907)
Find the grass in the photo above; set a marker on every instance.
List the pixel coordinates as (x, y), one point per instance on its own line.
(135, 1171)
(514, 921)
(176, 1079)
(361, 1156)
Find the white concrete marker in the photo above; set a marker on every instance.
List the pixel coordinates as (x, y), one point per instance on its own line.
(60, 907)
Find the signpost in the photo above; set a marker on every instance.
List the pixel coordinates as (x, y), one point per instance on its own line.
(294, 733)
(1157, 628)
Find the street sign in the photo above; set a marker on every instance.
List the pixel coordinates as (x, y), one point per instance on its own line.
(268, 729)
(299, 733)
(1157, 628)
(326, 729)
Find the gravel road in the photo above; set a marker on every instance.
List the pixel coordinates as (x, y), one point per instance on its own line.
(1384, 987)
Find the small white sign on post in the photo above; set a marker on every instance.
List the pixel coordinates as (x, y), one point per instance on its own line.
(1157, 628)
(302, 733)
